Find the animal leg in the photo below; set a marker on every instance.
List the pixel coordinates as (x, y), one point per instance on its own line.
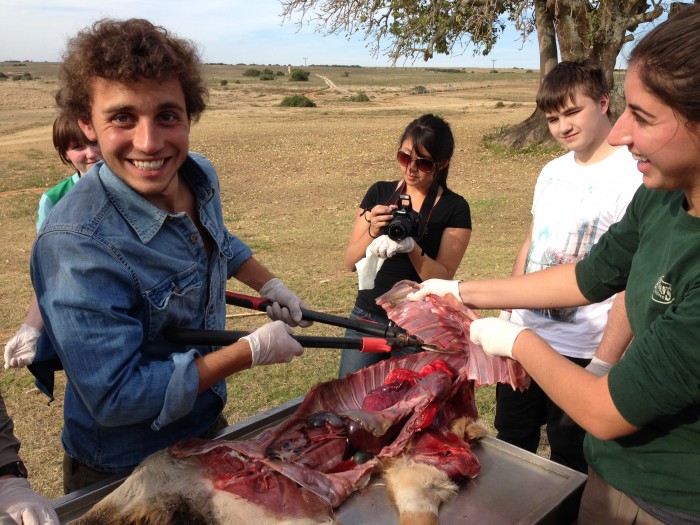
(417, 490)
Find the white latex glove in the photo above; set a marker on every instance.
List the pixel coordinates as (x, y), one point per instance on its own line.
(385, 247)
(286, 305)
(496, 336)
(24, 505)
(20, 350)
(273, 343)
(439, 287)
(599, 367)
(505, 315)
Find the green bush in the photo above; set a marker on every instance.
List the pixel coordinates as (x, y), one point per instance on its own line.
(3, 76)
(420, 90)
(251, 73)
(267, 76)
(345, 74)
(224, 82)
(500, 104)
(361, 96)
(298, 101)
(299, 75)
(26, 75)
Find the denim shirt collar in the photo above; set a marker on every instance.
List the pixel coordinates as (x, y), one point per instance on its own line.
(143, 216)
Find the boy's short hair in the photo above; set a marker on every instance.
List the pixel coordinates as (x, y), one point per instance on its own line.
(66, 135)
(128, 51)
(561, 84)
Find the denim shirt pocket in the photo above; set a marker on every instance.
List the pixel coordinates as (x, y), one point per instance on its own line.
(174, 301)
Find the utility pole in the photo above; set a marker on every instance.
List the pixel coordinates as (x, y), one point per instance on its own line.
(493, 63)
(304, 61)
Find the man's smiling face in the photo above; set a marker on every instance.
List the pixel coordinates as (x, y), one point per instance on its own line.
(143, 132)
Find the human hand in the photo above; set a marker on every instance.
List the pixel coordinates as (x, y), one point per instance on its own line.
(385, 247)
(378, 218)
(273, 343)
(286, 306)
(505, 315)
(24, 505)
(20, 350)
(439, 287)
(599, 367)
(496, 336)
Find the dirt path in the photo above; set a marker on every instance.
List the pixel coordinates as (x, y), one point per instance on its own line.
(329, 82)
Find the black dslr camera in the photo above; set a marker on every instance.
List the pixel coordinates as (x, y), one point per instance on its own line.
(406, 222)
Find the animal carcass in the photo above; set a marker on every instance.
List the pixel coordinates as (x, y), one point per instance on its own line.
(412, 418)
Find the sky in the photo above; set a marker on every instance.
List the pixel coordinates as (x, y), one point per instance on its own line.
(226, 31)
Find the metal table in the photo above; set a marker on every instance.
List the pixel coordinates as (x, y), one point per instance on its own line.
(514, 487)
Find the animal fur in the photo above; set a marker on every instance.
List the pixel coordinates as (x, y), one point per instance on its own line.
(469, 429)
(165, 490)
(417, 490)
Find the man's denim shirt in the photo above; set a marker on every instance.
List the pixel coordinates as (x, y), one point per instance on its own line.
(111, 272)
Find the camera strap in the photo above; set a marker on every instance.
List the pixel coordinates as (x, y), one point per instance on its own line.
(426, 209)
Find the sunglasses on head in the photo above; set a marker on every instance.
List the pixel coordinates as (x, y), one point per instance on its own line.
(424, 165)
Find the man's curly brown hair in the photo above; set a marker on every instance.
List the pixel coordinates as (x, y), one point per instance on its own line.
(128, 51)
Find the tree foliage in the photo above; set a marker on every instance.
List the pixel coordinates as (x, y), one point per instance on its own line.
(412, 29)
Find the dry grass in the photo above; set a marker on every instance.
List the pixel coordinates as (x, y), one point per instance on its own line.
(291, 180)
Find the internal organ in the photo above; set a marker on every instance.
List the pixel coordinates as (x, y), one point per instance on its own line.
(400, 413)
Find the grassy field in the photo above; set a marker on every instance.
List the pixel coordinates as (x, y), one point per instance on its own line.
(291, 180)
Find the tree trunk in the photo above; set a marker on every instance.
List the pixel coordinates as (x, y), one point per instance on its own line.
(532, 130)
(546, 37)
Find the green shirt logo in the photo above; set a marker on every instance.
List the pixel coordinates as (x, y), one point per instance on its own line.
(662, 292)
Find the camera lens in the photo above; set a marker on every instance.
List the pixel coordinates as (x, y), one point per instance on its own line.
(396, 230)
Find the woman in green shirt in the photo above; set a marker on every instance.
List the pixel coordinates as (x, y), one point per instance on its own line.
(643, 416)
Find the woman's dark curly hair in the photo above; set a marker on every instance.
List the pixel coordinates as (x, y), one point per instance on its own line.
(128, 51)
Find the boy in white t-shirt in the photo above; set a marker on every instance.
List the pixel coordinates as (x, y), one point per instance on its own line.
(578, 196)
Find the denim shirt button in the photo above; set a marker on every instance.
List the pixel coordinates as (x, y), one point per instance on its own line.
(193, 238)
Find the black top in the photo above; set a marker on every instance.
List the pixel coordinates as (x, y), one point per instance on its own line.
(451, 211)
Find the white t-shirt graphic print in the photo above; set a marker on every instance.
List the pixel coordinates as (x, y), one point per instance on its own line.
(572, 207)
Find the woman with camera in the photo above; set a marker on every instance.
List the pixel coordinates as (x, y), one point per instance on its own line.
(417, 226)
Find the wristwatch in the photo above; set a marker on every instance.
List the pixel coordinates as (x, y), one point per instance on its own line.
(16, 468)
